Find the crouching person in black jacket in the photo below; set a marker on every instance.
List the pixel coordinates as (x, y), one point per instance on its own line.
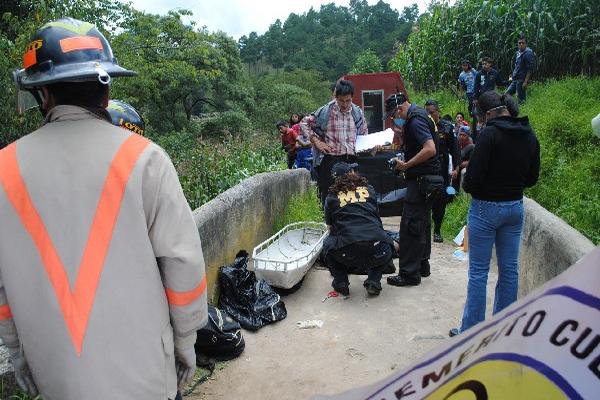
(356, 235)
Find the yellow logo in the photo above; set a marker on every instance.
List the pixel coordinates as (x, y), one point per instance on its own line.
(359, 196)
(498, 379)
(35, 45)
(131, 126)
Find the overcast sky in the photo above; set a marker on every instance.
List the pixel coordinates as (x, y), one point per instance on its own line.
(240, 17)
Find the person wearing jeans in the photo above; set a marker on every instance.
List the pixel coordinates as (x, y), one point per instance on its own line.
(505, 161)
(523, 68)
(492, 222)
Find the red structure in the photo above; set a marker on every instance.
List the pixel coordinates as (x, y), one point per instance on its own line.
(370, 92)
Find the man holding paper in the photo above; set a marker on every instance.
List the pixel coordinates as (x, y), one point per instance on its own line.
(333, 129)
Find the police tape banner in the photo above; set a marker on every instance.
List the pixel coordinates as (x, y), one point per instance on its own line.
(545, 346)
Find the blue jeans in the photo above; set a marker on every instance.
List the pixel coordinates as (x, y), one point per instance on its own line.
(492, 222)
(517, 86)
(471, 106)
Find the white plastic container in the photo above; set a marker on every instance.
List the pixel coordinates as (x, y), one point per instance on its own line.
(284, 258)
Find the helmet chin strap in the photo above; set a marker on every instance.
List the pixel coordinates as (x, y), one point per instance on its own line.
(37, 95)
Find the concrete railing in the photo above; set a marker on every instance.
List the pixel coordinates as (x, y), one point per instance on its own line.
(548, 247)
(243, 216)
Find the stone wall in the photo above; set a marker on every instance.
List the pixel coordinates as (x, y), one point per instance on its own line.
(548, 247)
(243, 216)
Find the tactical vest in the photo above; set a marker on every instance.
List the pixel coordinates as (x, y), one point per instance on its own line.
(412, 146)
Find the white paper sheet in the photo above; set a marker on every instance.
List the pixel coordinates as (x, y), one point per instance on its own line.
(367, 142)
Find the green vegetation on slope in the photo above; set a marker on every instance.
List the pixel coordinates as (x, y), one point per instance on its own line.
(302, 207)
(564, 35)
(569, 186)
(209, 167)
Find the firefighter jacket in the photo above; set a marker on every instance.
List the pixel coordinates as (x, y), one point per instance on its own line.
(101, 267)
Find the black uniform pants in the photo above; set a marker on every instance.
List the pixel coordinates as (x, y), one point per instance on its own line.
(324, 178)
(373, 255)
(415, 234)
(438, 206)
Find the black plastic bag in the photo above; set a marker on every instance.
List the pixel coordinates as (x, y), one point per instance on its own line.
(221, 338)
(253, 303)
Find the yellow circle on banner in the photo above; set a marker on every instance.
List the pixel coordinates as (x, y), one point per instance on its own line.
(498, 379)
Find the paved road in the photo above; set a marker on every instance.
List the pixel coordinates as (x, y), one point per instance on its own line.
(362, 340)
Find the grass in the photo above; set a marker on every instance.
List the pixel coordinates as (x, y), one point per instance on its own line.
(569, 186)
(301, 207)
(449, 101)
(456, 216)
(10, 391)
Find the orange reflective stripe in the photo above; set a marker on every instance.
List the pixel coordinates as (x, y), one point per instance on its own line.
(80, 43)
(5, 312)
(185, 298)
(29, 58)
(15, 189)
(77, 305)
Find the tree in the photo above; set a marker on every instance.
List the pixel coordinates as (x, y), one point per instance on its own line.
(367, 62)
(20, 19)
(182, 71)
(329, 38)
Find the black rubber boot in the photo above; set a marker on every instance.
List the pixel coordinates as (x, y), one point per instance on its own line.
(341, 287)
(399, 280)
(373, 288)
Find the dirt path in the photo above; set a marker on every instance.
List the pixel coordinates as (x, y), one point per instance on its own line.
(362, 340)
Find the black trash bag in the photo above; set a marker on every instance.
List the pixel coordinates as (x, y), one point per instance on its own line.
(221, 338)
(253, 303)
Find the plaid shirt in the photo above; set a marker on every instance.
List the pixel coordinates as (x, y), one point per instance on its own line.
(341, 130)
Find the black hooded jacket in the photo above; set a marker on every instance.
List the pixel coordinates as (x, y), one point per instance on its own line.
(505, 161)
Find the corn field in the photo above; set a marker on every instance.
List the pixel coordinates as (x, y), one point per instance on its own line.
(565, 35)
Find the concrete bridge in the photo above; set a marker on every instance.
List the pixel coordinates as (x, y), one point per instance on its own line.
(363, 339)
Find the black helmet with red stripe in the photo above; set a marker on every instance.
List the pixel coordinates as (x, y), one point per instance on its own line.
(124, 115)
(67, 50)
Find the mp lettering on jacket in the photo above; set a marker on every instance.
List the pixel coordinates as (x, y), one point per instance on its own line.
(360, 195)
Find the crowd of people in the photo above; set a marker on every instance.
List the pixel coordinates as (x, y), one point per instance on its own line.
(295, 143)
(494, 159)
(473, 83)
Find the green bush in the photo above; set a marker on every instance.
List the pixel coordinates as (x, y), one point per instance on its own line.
(279, 101)
(208, 167)
(366, 62)
(223, 123)
(302, 207)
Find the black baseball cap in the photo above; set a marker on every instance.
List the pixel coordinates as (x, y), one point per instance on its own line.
(392, 102)
(341, 168)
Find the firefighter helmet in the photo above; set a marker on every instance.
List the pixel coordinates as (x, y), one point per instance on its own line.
(67, 50)
(125, 116)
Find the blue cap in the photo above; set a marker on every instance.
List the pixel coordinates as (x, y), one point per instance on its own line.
(342, 168)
